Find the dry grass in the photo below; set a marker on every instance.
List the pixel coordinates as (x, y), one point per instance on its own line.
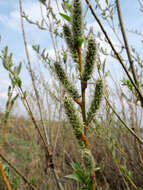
(116, 152)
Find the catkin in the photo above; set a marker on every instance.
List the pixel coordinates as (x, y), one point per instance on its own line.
(70, 42)
(96, 100)
(89, 60)
(65, 81)
(74, 120)
(77, 21)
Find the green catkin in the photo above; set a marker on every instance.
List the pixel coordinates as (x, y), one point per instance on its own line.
(74, 120)
(70, 43)
(96, 100)
(78, 131)
(64, 80)
(77, 21)
(88, 160)
(89, 60)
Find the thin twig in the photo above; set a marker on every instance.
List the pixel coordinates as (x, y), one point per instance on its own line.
(31, 74)
(126, 41)
(49, 153)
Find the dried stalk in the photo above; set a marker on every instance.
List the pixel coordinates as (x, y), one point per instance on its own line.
(50, 155)
(7, 184)
(126, 42)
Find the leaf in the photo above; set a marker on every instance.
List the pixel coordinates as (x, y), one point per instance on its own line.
(66, 17)
(74, 177)
(19, 68)
(107, 2)
(36, 48)
(82, 175)
(9, 91)
(127, 83)
(43, 53)
(80, 42)
(10, 60)
(96, 169)
(69, 7)
(76, 166)
(18, 81)
(43, 1)
(6, 114)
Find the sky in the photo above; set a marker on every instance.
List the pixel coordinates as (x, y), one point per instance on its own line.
(11, 34)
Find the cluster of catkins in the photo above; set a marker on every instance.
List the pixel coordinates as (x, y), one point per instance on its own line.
(72, 35)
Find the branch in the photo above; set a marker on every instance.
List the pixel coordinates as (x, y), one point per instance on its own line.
(47, 145)
(126, 42)
(8, 186)
(31, 74)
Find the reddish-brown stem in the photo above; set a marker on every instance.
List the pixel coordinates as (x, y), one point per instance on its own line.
(93, 181)
(83, 90)
(85, 140)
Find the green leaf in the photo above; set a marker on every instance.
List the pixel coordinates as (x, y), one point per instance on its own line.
(82, 175)
(66, 17)
(18, 81)
(24, 95)
(33, 180)
(76, 166)
(36, 48)
(43, 1)
(127, 83)
(43, 53)
(107, 2)
(9, 91)
(10, 60)
(69, 7)
(19, 68)
(96, 169)
(6, 114)
(80, 42)
(74, 177)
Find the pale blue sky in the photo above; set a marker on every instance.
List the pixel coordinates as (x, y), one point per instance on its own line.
(11, 32)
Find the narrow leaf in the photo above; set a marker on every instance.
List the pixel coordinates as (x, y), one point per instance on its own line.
(6, 114)
(66, 17)
(19, 68)
(74, 177)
